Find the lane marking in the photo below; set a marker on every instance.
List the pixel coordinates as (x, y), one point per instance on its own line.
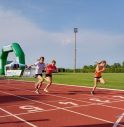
(26, 113)
(74, 99)
(66, 103)
(19, 114)
(15, 105)
(30, 124)
(88, 87)
(116, 101)
(89, 116)
(77, 86)
(31, 108)
(48, 94)
(86, 101)
(62, 84)
(99, 100)
(67, 97)
(119, 120)
(122, 97)
(81, 114)
(111, 106)
(71, 85)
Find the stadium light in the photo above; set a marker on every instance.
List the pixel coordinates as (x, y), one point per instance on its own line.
(75, 49)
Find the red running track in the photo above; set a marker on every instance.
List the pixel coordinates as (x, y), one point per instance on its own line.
(63, 106)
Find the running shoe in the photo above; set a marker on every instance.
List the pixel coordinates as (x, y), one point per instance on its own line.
(92, 92)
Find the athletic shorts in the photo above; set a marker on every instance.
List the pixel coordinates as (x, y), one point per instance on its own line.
(48, 75)
(36, 75)
(98, 77)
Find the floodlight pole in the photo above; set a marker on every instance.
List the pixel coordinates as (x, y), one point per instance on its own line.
(75, 48)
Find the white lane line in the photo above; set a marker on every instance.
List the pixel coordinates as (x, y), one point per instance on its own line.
(97, 88)
(79, 86)
(111, 107)
(89, 87)
(21, 97)
(113, 100)
(87, 100)
(49, 94)
(85, 87)
(69, 98)
(119, 120)
(74, 112)
(19, 114)
(62, 84)
(64, 109)
(30, 124)
(26, 113)
(11, 106)
(102, 104)
(81, 114)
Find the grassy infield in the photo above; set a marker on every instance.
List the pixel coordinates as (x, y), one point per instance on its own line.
(113, 80)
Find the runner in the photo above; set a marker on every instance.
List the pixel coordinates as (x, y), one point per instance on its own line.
(40, 67)
(101, 66)
(50, 68)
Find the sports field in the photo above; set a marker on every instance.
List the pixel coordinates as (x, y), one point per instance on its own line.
(113, 80)
(63, 106)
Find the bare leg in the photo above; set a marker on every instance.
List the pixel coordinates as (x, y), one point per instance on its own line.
(38, 84)
(95, 85)
(49, 80)
(102, 80)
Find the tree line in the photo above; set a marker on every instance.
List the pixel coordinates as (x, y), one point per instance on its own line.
(114, 68)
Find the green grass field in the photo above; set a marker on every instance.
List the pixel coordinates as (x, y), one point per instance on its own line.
(113, 80)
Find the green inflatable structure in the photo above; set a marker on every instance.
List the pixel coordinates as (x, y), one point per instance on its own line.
(14, 47)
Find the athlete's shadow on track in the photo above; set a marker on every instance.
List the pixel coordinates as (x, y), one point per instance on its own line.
(109, 93)
(71, 92)
(17, 122)
(74, 92)
(79, 92)
(19, 98)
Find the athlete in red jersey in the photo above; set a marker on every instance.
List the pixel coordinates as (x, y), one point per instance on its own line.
(50, 68)
(98, 74)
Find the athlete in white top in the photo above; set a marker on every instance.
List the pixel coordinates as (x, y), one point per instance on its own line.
(40, 67)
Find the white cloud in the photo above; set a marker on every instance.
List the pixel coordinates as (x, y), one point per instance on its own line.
(34, 40)
(91, 45)
(15, 27)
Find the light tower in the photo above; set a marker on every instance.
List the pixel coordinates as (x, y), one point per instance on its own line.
(75, 48)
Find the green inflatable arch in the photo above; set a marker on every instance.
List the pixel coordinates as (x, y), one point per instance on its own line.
(14, 47)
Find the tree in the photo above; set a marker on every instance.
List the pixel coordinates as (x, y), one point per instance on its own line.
(123, 64)
(116, 65)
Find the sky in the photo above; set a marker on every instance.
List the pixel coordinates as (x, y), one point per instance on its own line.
(46, 28)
